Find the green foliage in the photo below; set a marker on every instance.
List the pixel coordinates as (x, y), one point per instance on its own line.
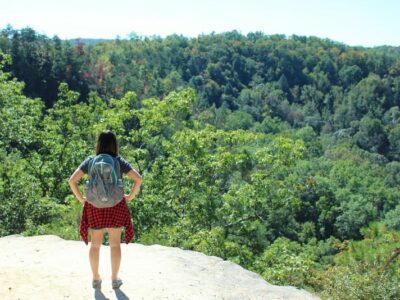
(367, 269)
(272, 152)
(302, 81)
(350, 75)
(286, 263)
(239, 120)
(371, 135)
(392, 220)
(65, 221)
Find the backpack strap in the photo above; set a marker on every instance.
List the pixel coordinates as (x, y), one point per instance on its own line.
(114, 161)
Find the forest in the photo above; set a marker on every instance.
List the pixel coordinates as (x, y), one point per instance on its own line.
(279, 153)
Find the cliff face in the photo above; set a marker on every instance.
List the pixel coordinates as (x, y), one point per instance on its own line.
(48, 267)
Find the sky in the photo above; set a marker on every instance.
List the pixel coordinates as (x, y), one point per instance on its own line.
(353, 22)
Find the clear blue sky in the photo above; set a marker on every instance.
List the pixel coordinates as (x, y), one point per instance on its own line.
(353, 22)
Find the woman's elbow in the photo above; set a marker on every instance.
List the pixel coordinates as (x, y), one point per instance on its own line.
(75, 177)
(138, 180)
(71, 181)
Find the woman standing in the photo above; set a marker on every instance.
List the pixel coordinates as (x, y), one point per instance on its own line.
(112, 219)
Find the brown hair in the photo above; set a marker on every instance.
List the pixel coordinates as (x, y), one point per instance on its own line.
(107, 143)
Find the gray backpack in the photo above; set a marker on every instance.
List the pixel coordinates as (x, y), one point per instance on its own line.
(104, 187)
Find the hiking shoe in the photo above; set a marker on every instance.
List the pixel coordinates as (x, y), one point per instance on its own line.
(96, 284)
(116, 283)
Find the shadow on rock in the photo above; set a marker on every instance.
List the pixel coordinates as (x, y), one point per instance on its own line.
(98, 295)
(121, 295)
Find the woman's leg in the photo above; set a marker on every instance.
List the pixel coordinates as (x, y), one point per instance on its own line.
(114, 238)
(94, 253)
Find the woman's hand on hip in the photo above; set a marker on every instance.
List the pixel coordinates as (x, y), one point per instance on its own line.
(129, 198)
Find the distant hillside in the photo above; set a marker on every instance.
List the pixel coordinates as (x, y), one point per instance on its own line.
(88, 41)
(235, 136)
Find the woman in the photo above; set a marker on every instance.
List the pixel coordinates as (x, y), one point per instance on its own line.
(112, 219)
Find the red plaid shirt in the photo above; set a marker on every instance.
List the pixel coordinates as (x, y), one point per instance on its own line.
(116, 216)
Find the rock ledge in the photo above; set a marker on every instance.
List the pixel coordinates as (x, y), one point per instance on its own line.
(48, 267)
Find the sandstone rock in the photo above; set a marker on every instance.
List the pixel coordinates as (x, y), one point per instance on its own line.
(48, 267)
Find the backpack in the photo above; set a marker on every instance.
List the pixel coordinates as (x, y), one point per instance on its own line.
(104, 187)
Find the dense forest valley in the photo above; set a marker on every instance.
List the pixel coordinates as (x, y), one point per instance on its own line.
(281, 154)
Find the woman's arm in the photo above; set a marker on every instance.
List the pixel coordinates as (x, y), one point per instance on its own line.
(73, 183)
(136, 186)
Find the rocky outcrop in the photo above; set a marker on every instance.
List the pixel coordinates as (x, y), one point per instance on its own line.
(48, 267)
